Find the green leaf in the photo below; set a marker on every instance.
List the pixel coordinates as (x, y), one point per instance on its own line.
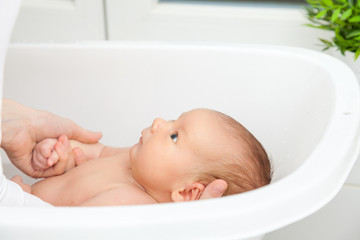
(313, 2)
(335, 15)
(357, 53)
(354, 19)
(342, 50)
(353, 34)
(338, 35)
(327, 2)
(318, 27)
(326, 42)
(310, 25)
(321, 14)
(346, 14)
(342, 17)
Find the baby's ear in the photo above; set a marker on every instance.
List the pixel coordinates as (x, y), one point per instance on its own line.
(190, 193)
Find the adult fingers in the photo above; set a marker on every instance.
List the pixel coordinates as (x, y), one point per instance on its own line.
(49, 125)
(83, 135)
(215, 189)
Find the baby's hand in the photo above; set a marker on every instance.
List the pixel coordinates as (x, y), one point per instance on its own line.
(56, 154)
(44, 154)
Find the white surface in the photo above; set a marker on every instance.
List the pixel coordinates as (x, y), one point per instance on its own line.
(340, 219)
(8, 13)
(211, 22)
(354, 176)
(74, 20)
(60, 20)
(302, 105)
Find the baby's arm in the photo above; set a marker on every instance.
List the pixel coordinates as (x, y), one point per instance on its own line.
(84, 152)
(66, 154)
(50, 152)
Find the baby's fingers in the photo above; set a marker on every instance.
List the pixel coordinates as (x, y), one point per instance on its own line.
(62, 153)
(46, 147)
(39, 163)
(60, 166)
(53, 159)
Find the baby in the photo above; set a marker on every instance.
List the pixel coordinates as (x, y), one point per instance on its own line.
(172, 162)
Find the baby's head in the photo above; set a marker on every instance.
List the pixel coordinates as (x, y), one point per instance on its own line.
(174, 160)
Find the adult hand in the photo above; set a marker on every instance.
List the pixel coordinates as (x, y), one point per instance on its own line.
(23, 127)
(215, 189)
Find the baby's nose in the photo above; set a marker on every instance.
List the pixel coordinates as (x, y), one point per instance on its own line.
(158, 123)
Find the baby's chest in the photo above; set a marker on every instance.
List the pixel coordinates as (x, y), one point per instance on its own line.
(88, 182)
(126, 194)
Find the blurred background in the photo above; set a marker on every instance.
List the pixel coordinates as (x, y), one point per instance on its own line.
(275, 22)
(237, 21)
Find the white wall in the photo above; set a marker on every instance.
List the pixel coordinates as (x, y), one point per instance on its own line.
(139, 20)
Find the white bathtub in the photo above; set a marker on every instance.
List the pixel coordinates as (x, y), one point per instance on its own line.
(302, 105)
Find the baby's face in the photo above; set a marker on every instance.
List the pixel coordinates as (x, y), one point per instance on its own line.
(169, 150)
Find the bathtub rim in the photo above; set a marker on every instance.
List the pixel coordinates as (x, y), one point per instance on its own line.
(350, 104)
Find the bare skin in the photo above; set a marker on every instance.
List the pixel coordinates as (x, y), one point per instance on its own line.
(25, 127)
(99, 175)
(109, 171)
(112, 180)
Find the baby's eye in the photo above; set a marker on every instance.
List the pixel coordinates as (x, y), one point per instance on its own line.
(174, 136)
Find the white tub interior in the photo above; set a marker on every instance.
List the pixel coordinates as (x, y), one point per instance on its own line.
(292, 101)
(120, 91)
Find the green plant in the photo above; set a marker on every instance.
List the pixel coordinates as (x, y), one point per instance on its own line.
(340, 16)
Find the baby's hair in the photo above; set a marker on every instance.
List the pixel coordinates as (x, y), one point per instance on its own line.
(245, 167)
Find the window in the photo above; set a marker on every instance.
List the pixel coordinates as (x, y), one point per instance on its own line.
(229, 21)
(238, 1)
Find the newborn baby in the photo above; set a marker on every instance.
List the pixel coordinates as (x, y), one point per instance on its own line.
(172, 162)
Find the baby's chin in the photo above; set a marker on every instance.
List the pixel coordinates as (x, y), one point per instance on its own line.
(133, 151)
